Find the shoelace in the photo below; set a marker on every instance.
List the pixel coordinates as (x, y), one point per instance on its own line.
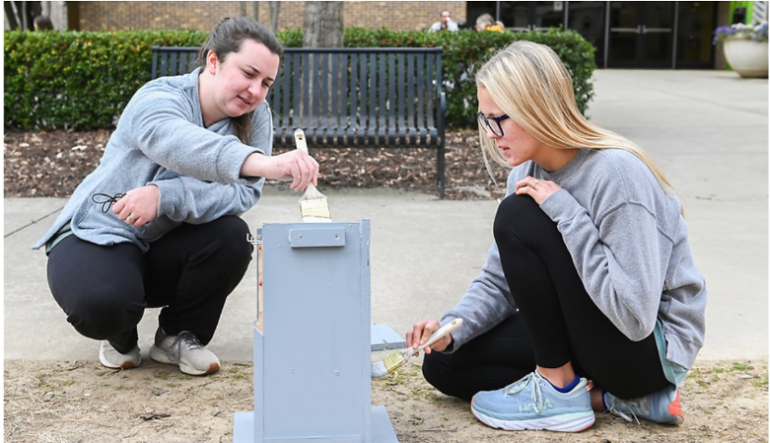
(629, 404)
(537, 393)
(186, 339)
(106, 200)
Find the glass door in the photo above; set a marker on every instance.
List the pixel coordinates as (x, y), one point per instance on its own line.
(641, 35)
(694, 49)
(587, 18)
(528, 16)
(516, 16)
(547, 15)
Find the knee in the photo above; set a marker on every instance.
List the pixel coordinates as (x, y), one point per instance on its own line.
(103, 316)
(232, 239)
(518, 217)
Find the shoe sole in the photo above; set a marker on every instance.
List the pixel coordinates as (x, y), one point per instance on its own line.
(560, 423)
(162, 357)
(128, 364)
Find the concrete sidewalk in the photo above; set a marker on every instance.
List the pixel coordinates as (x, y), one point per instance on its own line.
(707, 130)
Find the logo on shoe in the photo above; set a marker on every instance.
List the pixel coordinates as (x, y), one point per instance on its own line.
(529, 408)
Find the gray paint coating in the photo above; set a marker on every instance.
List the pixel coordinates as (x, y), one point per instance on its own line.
(312, 367)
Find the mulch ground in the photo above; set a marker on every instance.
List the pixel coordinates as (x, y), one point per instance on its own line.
(53, 163)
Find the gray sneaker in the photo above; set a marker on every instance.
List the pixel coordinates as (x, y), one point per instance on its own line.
(185, 351)
(111, 358)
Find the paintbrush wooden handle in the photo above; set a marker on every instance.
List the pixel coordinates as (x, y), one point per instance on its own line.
(444, 330)
(300, 141)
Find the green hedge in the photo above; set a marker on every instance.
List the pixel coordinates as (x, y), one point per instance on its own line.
(78, 80)
(83, 80)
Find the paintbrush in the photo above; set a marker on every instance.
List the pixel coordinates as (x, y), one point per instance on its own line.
(397, 359)
(313, 205)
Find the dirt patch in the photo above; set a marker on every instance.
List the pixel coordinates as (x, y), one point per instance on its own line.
(53, 163)
(81, 401)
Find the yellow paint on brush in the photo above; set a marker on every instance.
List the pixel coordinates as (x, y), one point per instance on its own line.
(316, 207)
(394, 361)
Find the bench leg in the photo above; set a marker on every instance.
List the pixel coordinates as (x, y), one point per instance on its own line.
(440, 169)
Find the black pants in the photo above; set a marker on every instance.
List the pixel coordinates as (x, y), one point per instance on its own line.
(104, 290)
(557, 321)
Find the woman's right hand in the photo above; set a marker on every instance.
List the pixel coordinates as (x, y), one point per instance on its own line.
(295, 165)
(421, 332)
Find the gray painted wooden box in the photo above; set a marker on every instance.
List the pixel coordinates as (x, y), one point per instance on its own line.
(312, 366)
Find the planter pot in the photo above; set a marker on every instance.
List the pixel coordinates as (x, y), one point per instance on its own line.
(747, 57)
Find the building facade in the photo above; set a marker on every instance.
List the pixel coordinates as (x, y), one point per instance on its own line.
(626, 34)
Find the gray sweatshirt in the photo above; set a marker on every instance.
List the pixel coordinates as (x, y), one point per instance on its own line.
(161, 140)
(629, 244)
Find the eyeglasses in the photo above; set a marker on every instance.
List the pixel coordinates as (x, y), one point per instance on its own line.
(495, 128)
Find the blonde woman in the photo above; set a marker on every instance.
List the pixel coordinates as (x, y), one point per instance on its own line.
(590, 299)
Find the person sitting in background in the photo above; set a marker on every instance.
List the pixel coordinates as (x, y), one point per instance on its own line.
(486, 22)
(445, 24)
(42, 23)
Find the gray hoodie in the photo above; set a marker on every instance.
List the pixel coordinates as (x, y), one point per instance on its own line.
(629, 244)
(161, 140)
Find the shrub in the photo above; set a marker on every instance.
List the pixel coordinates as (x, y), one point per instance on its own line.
(83, 80)
(78, 80)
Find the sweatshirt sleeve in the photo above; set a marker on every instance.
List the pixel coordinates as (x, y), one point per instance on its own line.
(162, 127)
(618, 257)
(189, 200)
(193, 200)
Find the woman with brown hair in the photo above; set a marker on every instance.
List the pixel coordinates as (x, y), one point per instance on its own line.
(157, 223)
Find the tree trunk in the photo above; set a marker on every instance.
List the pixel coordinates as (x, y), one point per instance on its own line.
(255, 8)
(19, 15)
(322, 28)
(26, 23)
(323, 25)
(11, 15)
(16, 22)
(275, 8)
(58, 14)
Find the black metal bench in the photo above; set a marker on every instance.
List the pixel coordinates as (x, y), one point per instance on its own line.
(350, 97)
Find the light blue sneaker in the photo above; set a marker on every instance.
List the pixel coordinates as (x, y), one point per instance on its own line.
(533, 403)
(664, 407)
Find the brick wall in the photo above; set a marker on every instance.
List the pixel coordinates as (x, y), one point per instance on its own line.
(96, 16)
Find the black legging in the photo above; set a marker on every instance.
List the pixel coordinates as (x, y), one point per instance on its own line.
(191, 270)
(556, 315)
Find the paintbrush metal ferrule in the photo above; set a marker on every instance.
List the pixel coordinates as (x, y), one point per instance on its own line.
(397, 359)
(313, 205)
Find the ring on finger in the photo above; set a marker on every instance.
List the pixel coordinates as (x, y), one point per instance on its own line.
(534, 185)
(131, 219)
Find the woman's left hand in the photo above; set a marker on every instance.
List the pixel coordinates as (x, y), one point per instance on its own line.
(539, 190)
(139, 206)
